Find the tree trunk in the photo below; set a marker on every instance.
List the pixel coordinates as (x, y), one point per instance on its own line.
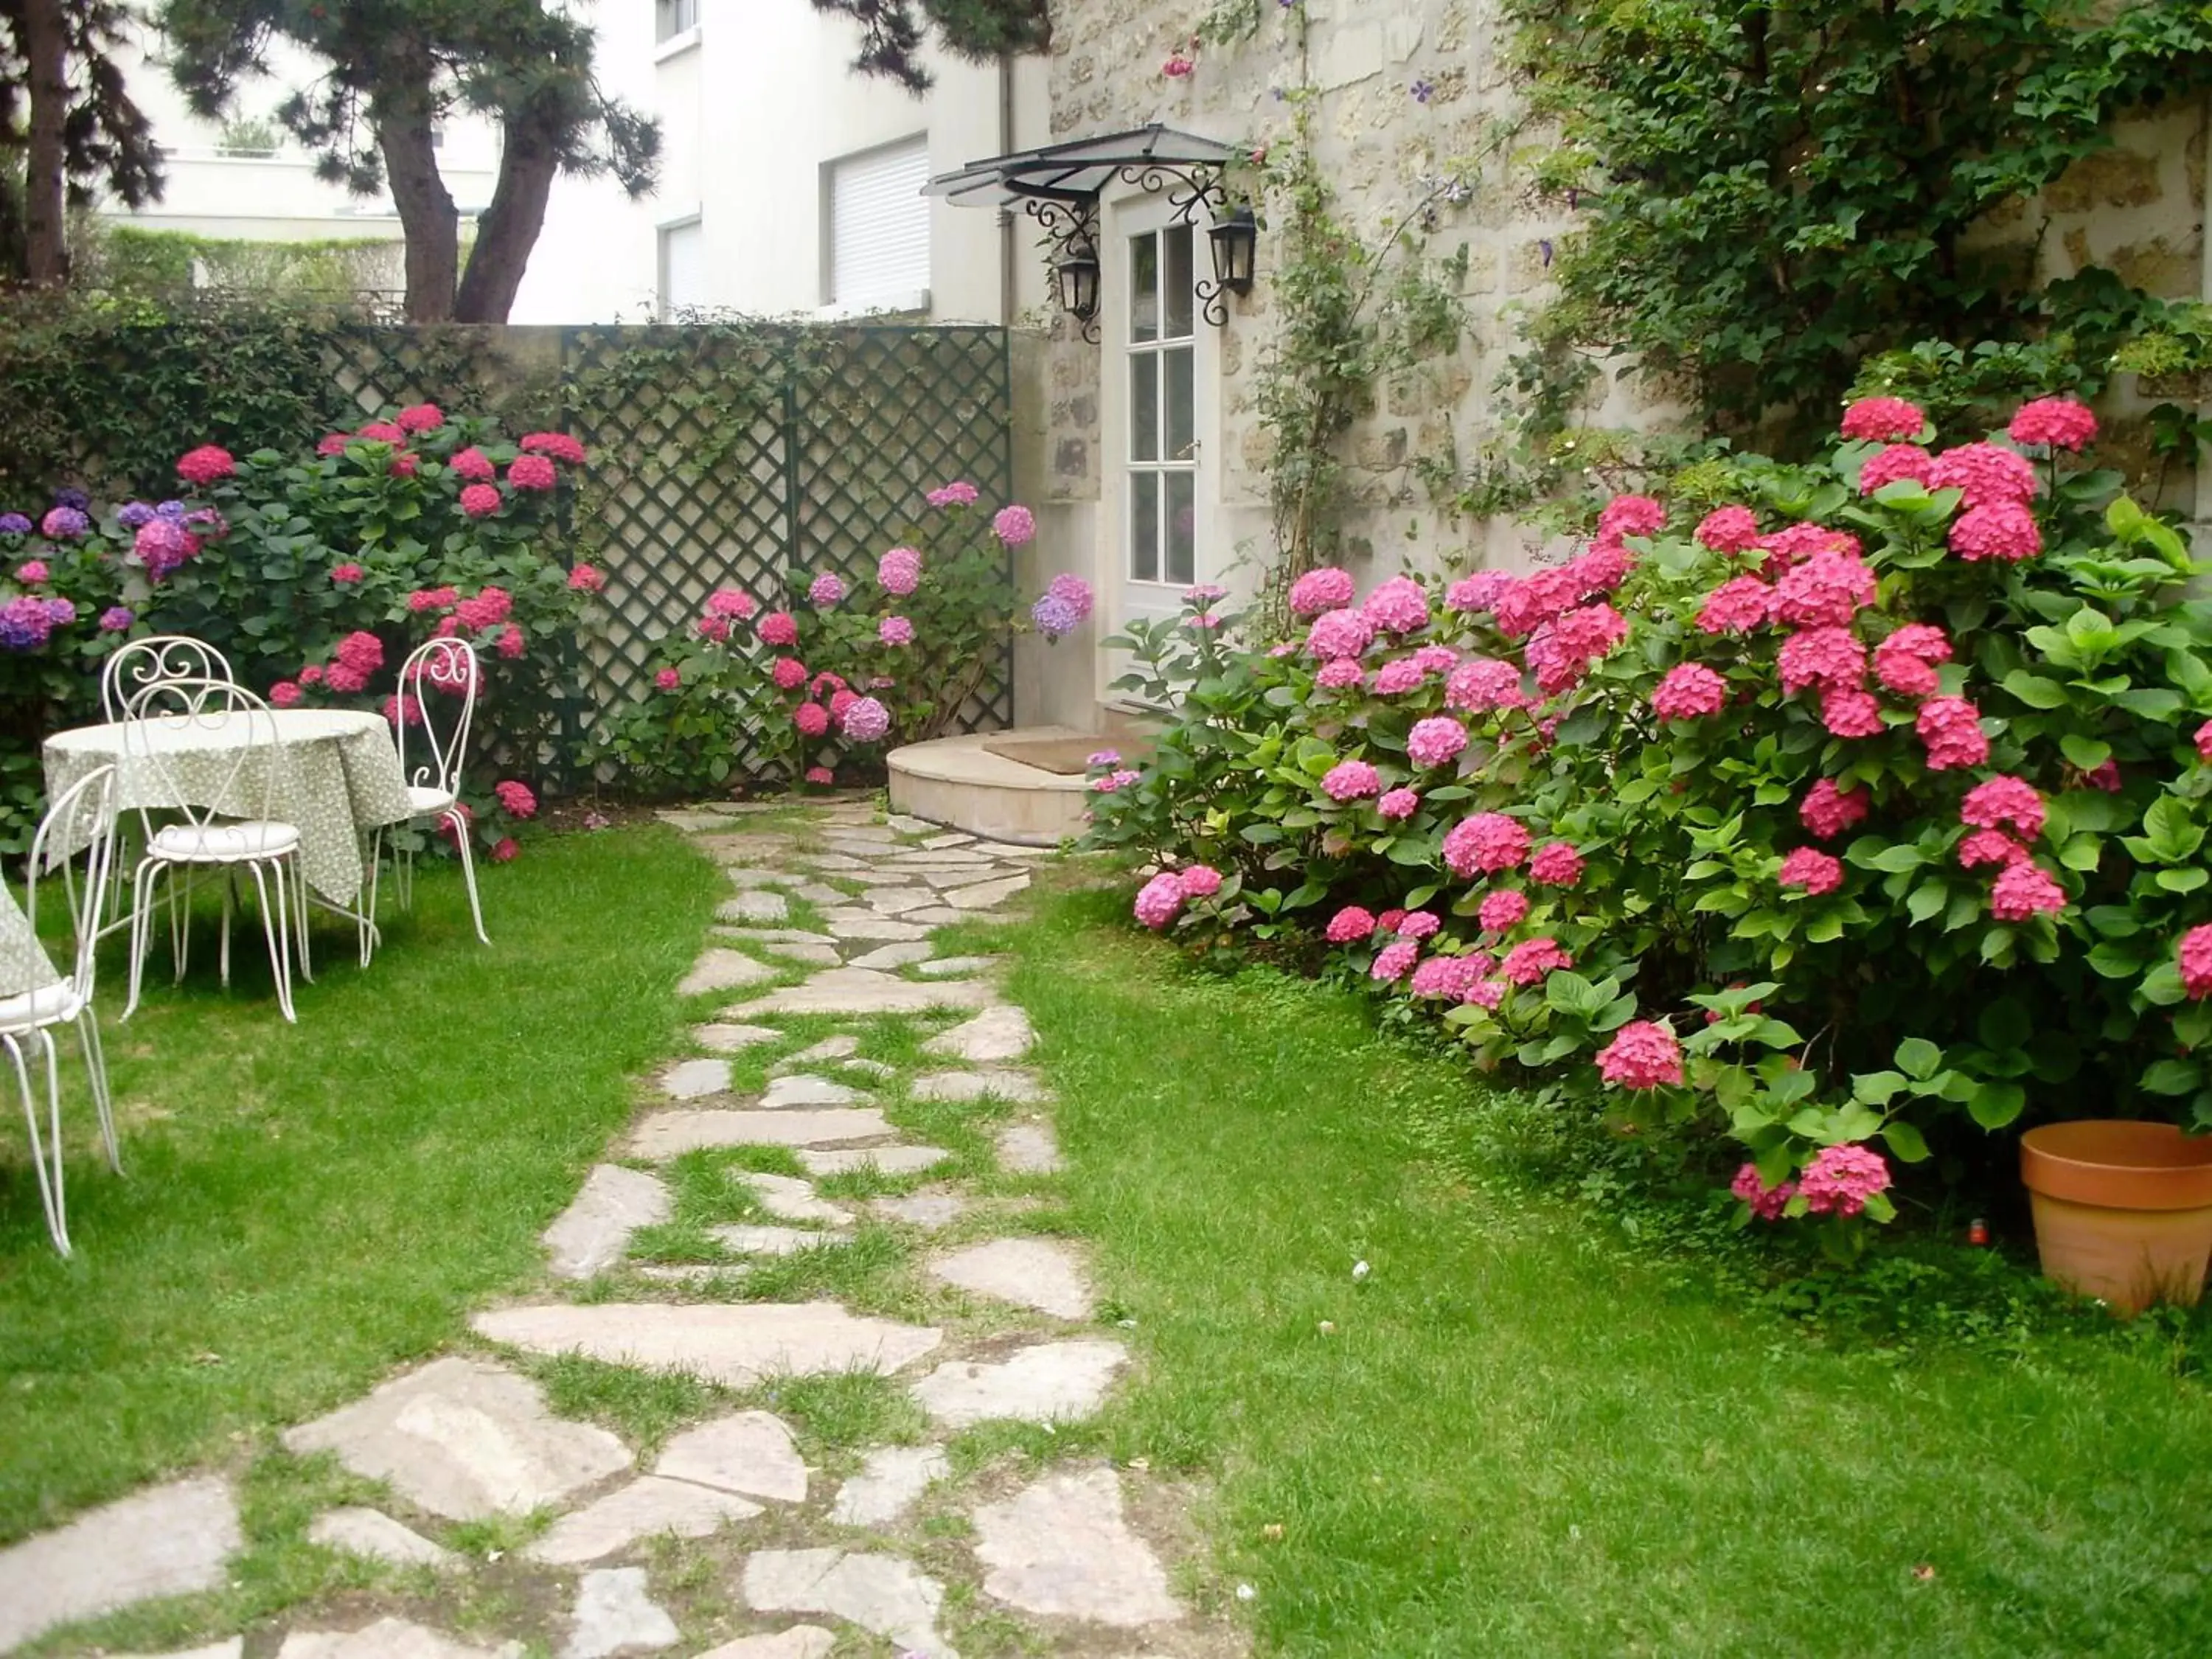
(402, 118)
(508, 230)
(46, 51)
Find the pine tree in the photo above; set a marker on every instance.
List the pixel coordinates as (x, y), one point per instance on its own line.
(892, 32)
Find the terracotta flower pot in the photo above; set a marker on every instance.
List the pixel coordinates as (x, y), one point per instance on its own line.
(2122, 1209)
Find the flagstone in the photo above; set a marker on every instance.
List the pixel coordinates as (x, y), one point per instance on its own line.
(692, 1272)
(799, 1641)
(880, 1592)
(885, 1160)
(464, 1439)
(369, 1533)
(728, 1039)
(900, 954)
(807, 955)
(985, 895)
(1031, 1273)
(950, 838)
(745, 1239)
(732, 1343)
(748, 1452)
(890, 1480)
(692, 821)
(996, 1034)
(930, 1210)
(966, 875)
(839, 1047)
(723, 969)
(647, 1507)
(1053, 1382)
(790, 1199)
(759, 905)
(166, 1540)
(804, 1089)
(389, 1638)
(906, 825)
(863, 991)
(849, 925)
(746, 876)
(956, 967)
(664, 1135)
(233, 1648)
(994, 1083)
(594, 1232)
(1061, 1547)
(615, 1614)
(820, 894)
(1029, 1149)
(688, 1079)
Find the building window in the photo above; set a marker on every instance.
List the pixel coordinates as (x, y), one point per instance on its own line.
(878, 229)
(683, 268)
(673, 17)
(1163, 368)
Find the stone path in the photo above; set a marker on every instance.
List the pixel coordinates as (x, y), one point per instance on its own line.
(786, 1545)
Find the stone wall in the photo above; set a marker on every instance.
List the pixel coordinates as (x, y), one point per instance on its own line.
(2138, 208)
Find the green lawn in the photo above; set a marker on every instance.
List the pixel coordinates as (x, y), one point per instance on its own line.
(1516, 1441)
(307, 1207)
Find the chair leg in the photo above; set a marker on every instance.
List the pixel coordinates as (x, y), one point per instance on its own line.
(50, 1196)
(229, 904)
(142, 927)
(276, 926)
(369, 903)
(95, 1063)
(298, 877)
(469, 871)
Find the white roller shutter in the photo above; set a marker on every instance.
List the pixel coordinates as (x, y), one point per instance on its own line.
(879, 227)
(682, 267)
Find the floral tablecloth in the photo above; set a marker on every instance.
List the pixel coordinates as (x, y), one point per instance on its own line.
(336, 775)
(24, 964)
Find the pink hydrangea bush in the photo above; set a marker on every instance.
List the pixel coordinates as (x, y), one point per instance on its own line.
(1911, 748)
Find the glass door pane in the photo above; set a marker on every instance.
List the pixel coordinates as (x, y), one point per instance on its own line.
(1182, 528)
(1181, 403)
(1145, 407)
(1177, 284)
(1145, 526)
(1144, 288)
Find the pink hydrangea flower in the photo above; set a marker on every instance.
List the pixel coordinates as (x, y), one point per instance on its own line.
(2002, 530)
(403, 710)
(1352, 780)
(2105, 776)
(1502, 909)
(2024, 889)
(1418, 924)
(716, 628)
(1825, 590)
(532, 473)
(1600, 571)
(1339, 672)
(1990, 847)
(1951, 728)
(1485, 844)
(736, 603)
(1985, 474)
(899, 571)
(586, 578)
(32, 572)
(1810, 868)
(1487, 992)
(788, 673)
(285, 694)
(559, 445)
(1393, 679)
(1576, 640)
(1528, 962)
(2195, 955)
(515, 798)
(1349, 925)
(779, 627)
(1482, 683)
(894, 630)
(1887, 467)
(204, 466)
(1435, 741)
(1840, 1179)
(1343, 633)
(1326, 589)
(510, 641)
(1767, 1203)
(2002, 803)
(1827, 811)
(1736, 607)
(1630, 515)
(506, 850)
(1200, 881)
(812, 718)
(1822, 656)
(1848, 712)
(1474, 594)
(1905, 662)
(1532, 601)
(668, 679)
(821, 776)
(863, 720)
(1398, 804)
(480, 500)
(1119, 779)
(824, 591)
(1014, 525)
(959, 493)
(472, 464)
(1802, 541)
(2059, 422)
(420, 417)
(1729, 530)
(1643, 1054)
(1395, 961)
(1449, 977)
(1883, 420)
(1399, 606)
(1689, 691)
(1556, 864)
(1160, 901)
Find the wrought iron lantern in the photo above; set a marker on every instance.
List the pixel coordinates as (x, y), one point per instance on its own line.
(1236, 241)
(1076, 271)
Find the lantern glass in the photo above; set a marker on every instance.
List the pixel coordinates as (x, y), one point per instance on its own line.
(1078, 275)
(1236, 239)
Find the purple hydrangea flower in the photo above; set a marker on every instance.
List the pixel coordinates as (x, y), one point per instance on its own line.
(1055, 617)
(207, 522)
(14, 524)
(173, 511)
(64, 523)
(24, 624)
(116, 619)
(866, 720)
(63, 612)
(826, 591)
(133, 515)
(74, 498)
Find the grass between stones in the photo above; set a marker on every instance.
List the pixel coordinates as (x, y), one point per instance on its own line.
(308, 1206)
(1511, 1437)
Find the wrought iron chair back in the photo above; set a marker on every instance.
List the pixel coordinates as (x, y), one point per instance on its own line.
(149, 661)
(83, 819)
(162, 718)
(441, 677)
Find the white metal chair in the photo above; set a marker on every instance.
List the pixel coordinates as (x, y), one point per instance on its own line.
(441, 677)
(150, 661)
(241, 835)
(83, 819)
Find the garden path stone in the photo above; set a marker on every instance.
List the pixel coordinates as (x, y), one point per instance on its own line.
(166, 1540)
(874, 1068)
(664, 1135)
(799, 1641)
(836, 863)
(890, 1480)
(376, 1536)
(820, 894)
(807, 955)
(726, 1039)
(956, 967)
(885, 1160)
(950, 838)
(746, 877)
(995, 1082)
(744, 1240)
(233, 1648)
(688, 1079)
(789, 1199)
(908, 826)
(732, 1343)
(464, 1439)
(644, 1509)
(702, 1273)
(896, 901)
(986, 895)
(880, 1592)
(594, 1233)
(996, 1034)
(1061, 1547)
(1029, 1149)
(723, 969)
(615, 1614)
(692, 821)
(903, 954)
(804, 1089)
(1053, 1382)
(389, 1638)
(967, 875)
(1030, 1272)
(938, 915)
(759, 905)
(851, 925)
(863, 991)
(839, 1047)
(930, 1210)
(748, 1452)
